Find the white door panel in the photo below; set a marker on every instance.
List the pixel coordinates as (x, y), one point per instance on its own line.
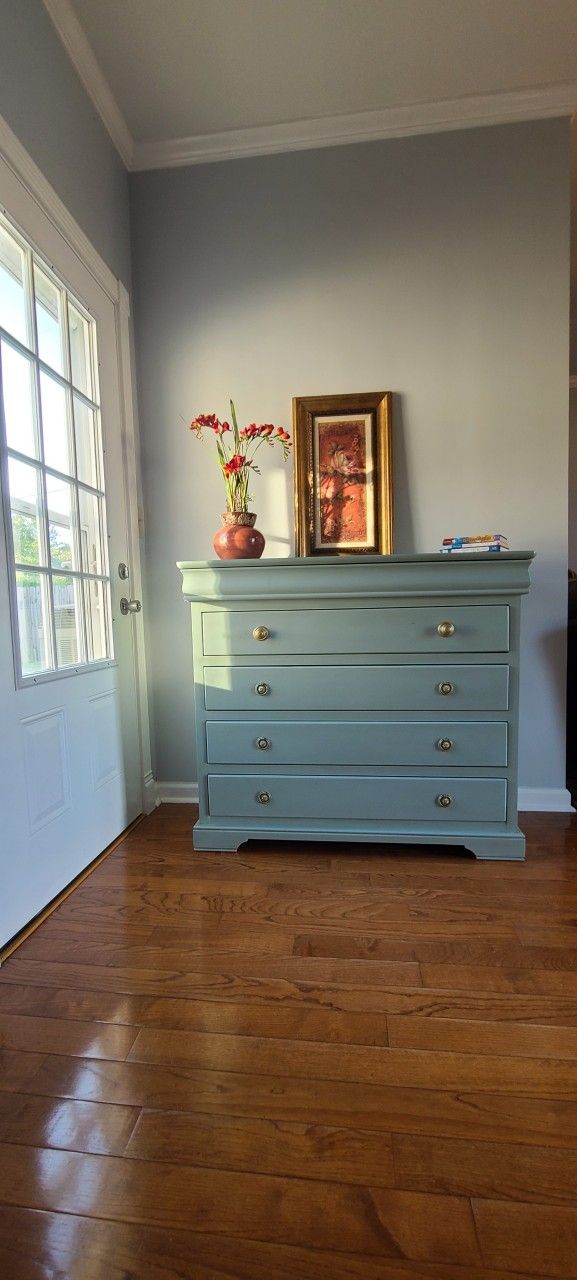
(70, 750)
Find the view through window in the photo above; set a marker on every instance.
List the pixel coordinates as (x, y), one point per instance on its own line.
(52, 468)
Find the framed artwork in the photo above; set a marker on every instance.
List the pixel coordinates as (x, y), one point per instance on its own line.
(343, 474)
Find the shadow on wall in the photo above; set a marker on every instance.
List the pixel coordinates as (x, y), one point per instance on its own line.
(403, 530)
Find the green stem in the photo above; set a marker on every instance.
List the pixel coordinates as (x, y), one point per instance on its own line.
(235, 428)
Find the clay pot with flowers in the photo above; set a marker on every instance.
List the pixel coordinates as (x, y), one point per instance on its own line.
(236, 449)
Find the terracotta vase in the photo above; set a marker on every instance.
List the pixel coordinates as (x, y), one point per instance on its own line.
(238, 539)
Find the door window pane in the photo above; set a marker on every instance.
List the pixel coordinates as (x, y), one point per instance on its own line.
(65, 593)
(13, 307)
(96, 618)
(80, 361)
(49, 321)
(86, 443)
(90, 526)
(25, 511)
(33, 622)
(58, 450)
(18, 397)
(59, 498)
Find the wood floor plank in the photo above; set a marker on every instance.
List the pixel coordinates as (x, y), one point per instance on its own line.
(461, 951)
(72, 1002)
(198, 953)
(81, 1248)
(206, 983)
(438, 925)
(300, 1022)
(202, 875)
(59, 927)
(560, 936)
(491, 1170)
(72, 1125)
(322, 1152)
(17, 1068)
(281, 904)
(536, 1077)
(59, 1035)
(445, 1035)
(460, 1113)
(371, 1220)
(529, 1236)
(491, 978)
(224, 931)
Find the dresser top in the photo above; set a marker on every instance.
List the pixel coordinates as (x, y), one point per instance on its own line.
(337, 562)
(440, 574)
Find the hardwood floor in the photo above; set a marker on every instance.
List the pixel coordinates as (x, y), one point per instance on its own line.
(295, 1064)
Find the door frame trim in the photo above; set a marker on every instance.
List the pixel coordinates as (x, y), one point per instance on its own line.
(31, 178)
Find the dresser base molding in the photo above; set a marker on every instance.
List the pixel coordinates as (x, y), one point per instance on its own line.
(508, 846)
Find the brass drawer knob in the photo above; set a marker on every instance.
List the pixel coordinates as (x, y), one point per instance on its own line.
(445, 744)
(263, 688)
(263, 744)
(445, 687)
(260, 633)
(444, 801)
(264, 797)
(446, 629)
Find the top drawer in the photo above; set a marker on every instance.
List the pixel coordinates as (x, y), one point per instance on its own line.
(426, 629)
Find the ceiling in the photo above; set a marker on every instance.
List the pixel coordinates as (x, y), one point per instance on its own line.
(179, 81)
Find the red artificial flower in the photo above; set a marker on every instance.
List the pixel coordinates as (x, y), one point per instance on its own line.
(209, 420)
(235, 464)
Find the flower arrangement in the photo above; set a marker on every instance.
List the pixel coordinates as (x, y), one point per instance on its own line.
(236, 457)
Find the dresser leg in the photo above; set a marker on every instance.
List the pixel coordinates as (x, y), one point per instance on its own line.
(498, 848)
(219, 842)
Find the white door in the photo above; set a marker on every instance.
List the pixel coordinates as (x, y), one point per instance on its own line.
(70, 757)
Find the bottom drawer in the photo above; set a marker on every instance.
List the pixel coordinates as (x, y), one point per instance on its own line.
(342, 798)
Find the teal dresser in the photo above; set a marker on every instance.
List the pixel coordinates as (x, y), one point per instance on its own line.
(351, 699)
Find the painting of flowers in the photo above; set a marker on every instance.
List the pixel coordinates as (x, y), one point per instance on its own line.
(344, 466)
(343, 498)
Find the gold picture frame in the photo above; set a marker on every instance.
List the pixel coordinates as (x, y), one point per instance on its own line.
(343, 474)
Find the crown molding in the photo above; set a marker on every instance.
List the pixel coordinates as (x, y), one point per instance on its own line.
(297, 135)
(363, 126)
(80, 53)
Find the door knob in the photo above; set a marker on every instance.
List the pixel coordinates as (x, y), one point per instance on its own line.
(130, 606)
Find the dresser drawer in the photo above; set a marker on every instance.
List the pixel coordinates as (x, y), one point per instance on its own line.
(465, 629)
(266, 798)
(374, 743)
(356, 688)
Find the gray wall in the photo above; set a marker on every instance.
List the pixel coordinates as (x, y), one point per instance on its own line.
(45, 104)
(435, 266)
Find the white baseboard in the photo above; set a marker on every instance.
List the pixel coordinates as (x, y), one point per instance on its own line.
(530, 799)
(544, 800)
(177, 793)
